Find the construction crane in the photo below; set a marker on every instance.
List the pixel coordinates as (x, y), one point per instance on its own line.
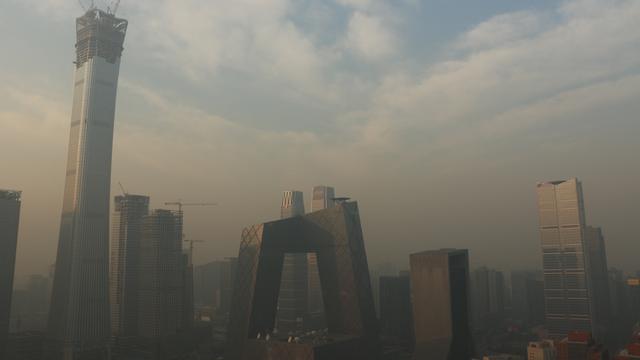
(124, 192)
(181, 204)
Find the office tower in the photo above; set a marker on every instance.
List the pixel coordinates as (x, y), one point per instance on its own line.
(599, 277)
(161, 275)
(323, 198)
(541, 350)
(292, 204)
(441, 307)
(188, 309)
(292, 301)
(395, 308)
(488, 294)
(10, 202)
(25, 346)
(79, 322)
(212, 286)
(336, 235)
(527, 294)
(568, 295)
(130, 210)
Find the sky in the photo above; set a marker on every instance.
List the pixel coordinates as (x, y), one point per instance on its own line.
(439, 117)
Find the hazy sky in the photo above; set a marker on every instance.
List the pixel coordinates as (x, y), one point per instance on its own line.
(438, 116)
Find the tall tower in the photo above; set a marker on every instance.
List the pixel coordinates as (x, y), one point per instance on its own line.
(322, 199)
(9, 219)
(130, 211)
(161, 287)
(567, 284)
(79, 323)
(599, 277)
(440, 293)
(292, 301)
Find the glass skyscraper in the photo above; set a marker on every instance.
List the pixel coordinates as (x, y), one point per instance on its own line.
(567, 284)
(79, 323)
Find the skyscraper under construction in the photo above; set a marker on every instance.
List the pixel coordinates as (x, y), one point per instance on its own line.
(79, 323)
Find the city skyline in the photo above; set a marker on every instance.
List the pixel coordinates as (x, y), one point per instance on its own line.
(459, 168)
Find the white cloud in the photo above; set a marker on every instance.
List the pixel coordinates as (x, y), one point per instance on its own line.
(368, 37)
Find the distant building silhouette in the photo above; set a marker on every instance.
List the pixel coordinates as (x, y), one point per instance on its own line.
(79, 323)
(595, 245)
(527, 297)
(488, 295)
(567, 283)
(126, 235)
(336, 235)
(441, 305)
(10, 202)
(293, 300)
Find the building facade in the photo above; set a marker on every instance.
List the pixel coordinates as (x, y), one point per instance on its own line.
(488, 294)
(567, 282)
(336, 235)
(79, 323)
(10, 203)
(541, 350)
(161, 275)
(396, 321)
(129, 212)
(596, 249)
(292, 301)
(441, 305)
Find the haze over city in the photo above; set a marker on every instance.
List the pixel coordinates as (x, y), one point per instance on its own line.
(319, 180)
(438, 118)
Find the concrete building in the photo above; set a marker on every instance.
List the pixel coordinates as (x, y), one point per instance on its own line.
(130, 210)
(541, 350)
(161, 275)
(10, 202)
(79, 323)
(293, 297)
(336, 235)
(567, 282)
(579, 345)
(396, 321)
(441, 305)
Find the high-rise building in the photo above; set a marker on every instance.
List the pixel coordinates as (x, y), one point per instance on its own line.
(395, 308)
(336, 235)
(441, 306)
(488, 290)
(130, 210)
(79, 322)
(323, 198)
(567, 282)
(292, 301)
(10, 202)
(595, 244)
(161, 275)
(527, 294)
(541, 350)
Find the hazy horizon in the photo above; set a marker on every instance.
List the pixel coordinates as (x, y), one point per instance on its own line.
(438, 118)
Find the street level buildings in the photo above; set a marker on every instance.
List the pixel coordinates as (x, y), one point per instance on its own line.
(79, 323)
(441, 305)
(10, 203)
